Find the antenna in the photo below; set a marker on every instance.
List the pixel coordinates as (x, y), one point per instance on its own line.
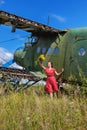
(48, 21)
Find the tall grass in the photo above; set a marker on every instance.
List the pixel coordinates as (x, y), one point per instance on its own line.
(33, 110)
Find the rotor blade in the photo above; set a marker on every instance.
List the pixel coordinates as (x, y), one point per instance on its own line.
(25, 24)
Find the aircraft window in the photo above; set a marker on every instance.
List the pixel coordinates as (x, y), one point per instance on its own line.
(81, 52)
(44, 50)
(56, 50)
(38, 50)
(50, 50)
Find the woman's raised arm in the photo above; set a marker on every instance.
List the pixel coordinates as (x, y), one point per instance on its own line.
(41, 65)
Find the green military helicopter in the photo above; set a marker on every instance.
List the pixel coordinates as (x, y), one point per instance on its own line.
(65, 48)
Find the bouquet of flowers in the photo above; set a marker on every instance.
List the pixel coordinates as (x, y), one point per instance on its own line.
(41, 57)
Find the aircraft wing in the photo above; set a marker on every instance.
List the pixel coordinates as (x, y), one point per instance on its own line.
(25, 24)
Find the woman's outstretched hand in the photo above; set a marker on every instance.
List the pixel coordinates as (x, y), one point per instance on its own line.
(62, 70)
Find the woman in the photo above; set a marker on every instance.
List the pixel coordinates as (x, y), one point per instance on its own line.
(51, 84)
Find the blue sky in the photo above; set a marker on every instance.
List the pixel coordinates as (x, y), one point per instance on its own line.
(62, 14)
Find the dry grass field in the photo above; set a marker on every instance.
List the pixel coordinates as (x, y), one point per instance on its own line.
(33, 110)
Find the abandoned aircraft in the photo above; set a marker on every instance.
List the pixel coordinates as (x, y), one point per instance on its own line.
(65, 48)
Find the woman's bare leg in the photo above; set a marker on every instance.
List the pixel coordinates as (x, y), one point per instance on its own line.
(51, 95)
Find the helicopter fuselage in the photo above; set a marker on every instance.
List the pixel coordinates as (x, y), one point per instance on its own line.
(66, 50)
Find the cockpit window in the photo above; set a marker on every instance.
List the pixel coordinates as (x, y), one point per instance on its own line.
(56, 50)
(81, 52)
(49, 50)
(38, 50)
(43, 50)
(34, 39)
(30, 41)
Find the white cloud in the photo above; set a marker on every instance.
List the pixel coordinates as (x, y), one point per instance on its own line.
(2, 2)
(59, 18)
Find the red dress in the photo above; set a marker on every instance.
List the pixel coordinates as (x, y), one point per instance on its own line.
(51, 84)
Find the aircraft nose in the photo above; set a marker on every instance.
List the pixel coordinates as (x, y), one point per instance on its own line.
(19, 56)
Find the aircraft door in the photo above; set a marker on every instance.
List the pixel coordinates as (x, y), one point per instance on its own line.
(78, 59)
